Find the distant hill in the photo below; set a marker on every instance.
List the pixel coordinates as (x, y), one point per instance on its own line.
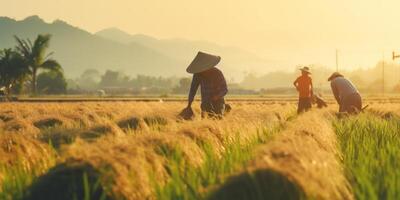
(77, 50)
(234, 60)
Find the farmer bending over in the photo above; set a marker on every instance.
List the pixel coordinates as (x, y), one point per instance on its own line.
(304, 86)
(346, 94)
(212, 82)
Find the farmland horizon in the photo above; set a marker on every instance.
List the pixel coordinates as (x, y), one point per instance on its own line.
(344, 53)
(115, 51)
(285, 33)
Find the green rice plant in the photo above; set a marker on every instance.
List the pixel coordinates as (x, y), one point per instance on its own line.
(89, 190)
(18, 177)
(371, 155)
(14, 182)
(195, 183)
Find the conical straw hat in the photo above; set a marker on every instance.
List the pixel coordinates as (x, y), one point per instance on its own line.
(203, 62)
(305, 69)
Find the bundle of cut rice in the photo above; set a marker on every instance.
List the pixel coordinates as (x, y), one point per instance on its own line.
(186, 114)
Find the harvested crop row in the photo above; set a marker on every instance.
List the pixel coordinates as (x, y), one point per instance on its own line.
(127, 166)
(301, 162)
(62, 124)
(30, 130)
(31, 118)
(384, 111)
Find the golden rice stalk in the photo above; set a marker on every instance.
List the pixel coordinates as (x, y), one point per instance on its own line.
(303, 160)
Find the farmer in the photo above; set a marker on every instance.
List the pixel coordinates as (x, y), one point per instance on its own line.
(304, 86)
(212, 82)
(346, 94)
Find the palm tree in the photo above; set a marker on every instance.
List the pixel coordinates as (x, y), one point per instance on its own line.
(36, 57)
(12, 69)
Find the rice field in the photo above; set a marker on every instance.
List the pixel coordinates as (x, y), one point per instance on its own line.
(142, 150)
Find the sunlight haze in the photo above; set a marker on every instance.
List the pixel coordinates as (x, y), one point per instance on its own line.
(286, 32)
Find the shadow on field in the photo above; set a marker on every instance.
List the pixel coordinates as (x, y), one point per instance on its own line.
(73, 180)
(155, 121)
(258, 185)
(68, 136)
(61, 136)
(6, 118)
(48, 123)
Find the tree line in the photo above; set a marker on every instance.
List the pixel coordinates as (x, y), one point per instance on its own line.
(20, 65)
(117, 82)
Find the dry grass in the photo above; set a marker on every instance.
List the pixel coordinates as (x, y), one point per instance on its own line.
(384, 111)
(302, 161)
(20, 156)
(129, 145)
(17, 149)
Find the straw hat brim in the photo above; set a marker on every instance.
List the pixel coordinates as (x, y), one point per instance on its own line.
(203, 62)
(304, 70)
(335, 75)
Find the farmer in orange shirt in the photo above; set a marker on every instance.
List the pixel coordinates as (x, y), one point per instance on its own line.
(304, 86)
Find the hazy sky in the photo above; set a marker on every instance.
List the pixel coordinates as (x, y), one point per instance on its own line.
(288, 31)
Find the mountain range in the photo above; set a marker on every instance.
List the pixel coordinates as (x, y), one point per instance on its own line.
(77, 50)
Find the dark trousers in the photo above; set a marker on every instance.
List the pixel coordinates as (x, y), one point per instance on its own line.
(351, 104)
(213, 109)
(304, 104)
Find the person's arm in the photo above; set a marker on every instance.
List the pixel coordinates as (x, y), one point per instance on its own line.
(311, 88)
(335, 92)
(295, 83)
(193, 89)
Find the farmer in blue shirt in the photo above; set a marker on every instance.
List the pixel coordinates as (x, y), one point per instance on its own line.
(212, 83)
(345, 93)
